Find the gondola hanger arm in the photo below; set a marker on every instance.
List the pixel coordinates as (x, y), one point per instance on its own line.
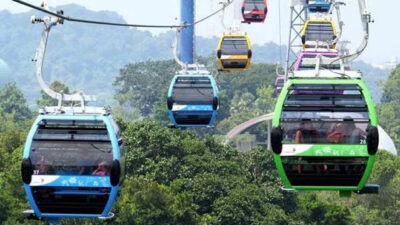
(49, 22)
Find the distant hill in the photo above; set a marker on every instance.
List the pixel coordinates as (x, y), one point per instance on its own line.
(374, 77)
(88, 57)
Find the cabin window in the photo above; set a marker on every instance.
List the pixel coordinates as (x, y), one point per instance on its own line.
(257, 5)
(71, 149)
(193, 91)
(234, 46)
(324, 113)
(319, 31)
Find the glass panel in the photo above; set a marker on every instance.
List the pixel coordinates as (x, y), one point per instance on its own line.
(71, 149)
(193, 95)
(193, 90)
(319, 31)
(234, 64)
(280, 82)
(71, 157)
(51, 200)
(325, 100)
(313, 132)
(234, 46)
(322, 95)
(257, 5)
(185, 119)
(299, 115)
(324, 171)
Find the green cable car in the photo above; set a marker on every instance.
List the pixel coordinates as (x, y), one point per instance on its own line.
(325, 135)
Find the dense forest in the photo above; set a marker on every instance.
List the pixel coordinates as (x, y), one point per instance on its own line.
(189, 177)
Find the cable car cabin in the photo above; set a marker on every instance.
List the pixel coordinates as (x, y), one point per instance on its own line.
(324, 134)
(192, 101)
(234, 52)
(318, 6)
(319, 34)
(72, 166)
(254, 11)
(279, 83)
(308, 61)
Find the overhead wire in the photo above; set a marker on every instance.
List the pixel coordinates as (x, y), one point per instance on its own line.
(121, 24)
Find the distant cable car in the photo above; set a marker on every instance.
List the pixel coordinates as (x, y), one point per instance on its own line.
(325, 134)
(315, 6)
(72, 166)
(319, 34)
(279, 83)
(254, 11)
(234, 52)
(193, 100)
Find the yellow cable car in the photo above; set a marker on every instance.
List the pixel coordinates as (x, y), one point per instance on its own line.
(316, 31)
(234, 52)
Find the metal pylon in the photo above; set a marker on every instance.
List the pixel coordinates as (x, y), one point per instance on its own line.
(298, 17)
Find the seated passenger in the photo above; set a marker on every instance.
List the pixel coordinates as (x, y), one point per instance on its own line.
(337, 133)
(345, 132)
(102, 170)
(354, 134)
(306, 133)
(44, 167)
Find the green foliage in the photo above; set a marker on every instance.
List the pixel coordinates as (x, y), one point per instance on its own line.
(391, 88)
(12, 196)
(160, 110)
(46, 100)
(12, 101)
(139, 85)
(387, 110)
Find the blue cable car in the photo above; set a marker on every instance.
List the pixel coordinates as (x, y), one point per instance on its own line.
(72, 166)
(192, 100)
(314, 6)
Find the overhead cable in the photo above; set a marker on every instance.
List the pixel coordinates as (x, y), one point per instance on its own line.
(121, 24)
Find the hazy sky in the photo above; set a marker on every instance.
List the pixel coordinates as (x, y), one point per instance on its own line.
(384, 39)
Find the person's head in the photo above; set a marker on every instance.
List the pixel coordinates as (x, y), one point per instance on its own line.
(306, 125)
(349, 122)
(103, 166)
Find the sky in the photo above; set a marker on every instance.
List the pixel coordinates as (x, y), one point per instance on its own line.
(384, 38)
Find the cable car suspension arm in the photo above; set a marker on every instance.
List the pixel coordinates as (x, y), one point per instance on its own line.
(175, 50)
(366, 19)
(49, 22)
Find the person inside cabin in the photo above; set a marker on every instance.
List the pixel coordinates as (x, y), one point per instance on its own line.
(103, 169)
(336, 134)
(345, 132)
(305, 134)
(44, 167)
(354, 134)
